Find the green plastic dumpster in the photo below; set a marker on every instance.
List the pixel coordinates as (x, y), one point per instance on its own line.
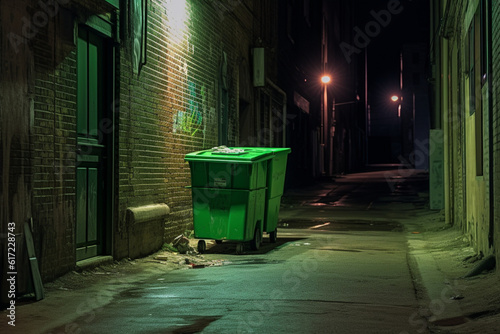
(275, 183)
(229, 194)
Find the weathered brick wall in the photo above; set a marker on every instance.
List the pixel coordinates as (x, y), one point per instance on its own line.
(456, 127)
(171, 107)
(476, 212)
(54, 146)
(468, 203)
(38, 132)
(496, 123)
(15, 160)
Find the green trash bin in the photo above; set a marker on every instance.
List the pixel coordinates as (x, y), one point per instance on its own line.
(275, 183)
(229, 194)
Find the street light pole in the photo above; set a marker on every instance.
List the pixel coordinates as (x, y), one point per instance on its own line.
(325, 79)
(399, 100)
(331, 122)
(413, 129)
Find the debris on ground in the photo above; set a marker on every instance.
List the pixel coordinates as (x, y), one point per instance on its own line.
(182, 244)
(204, 264)
(162, 257)
(166, 259)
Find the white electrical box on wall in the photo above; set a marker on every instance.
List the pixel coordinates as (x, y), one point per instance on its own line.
(259, 77)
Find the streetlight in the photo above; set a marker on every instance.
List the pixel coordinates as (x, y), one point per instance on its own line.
(406, 144)
(396, 98)
(325, 79)
(399, 99)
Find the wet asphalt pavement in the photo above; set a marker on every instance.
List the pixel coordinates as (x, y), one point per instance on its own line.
(340, 266)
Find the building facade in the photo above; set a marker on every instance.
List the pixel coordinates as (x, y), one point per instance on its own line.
(464, 146)
(101, 100)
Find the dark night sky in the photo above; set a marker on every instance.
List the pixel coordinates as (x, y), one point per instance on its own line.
(410, 25)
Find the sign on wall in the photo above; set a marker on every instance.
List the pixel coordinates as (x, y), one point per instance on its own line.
(138, 22)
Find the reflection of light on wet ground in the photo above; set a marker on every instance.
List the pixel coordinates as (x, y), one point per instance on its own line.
(317, 204)
(162, 296)
(342, 202)
(339, 203)
(321, 225)
(343, 225)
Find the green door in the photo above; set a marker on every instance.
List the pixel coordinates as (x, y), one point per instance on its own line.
(91, 190)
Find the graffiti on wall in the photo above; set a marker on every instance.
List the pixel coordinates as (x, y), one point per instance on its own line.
(190, 120)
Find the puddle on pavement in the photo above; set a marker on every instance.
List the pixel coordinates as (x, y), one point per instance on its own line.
(342, 225)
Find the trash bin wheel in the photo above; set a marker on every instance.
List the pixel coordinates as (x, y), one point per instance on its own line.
(257, 239)
(218, 242)
(239, 248)
(273, 235)
(202, 246)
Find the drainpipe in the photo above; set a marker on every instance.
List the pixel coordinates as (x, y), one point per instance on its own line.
(283, 94)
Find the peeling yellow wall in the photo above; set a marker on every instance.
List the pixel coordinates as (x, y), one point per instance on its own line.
(472, 211)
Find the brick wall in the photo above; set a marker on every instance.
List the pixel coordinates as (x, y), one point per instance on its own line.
(456, 127)
(38, 134)
(496, 123)
(54, 144)
(467, 195)
(171, 107)
(15, 160)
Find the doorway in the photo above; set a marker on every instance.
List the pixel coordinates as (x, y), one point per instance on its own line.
(94, 85)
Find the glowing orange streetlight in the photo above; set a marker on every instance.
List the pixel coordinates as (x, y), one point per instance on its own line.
(396, 98)
(325, 79)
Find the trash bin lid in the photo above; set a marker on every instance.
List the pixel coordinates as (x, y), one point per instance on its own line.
(226, 154)
(273, 150)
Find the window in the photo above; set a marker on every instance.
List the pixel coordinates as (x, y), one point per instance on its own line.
(470, 62)
(477, 62)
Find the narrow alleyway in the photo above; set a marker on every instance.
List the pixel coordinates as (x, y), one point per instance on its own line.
(349, 259)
